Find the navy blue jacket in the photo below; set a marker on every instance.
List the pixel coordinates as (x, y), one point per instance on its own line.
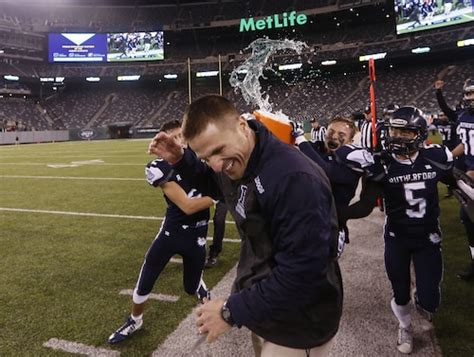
(288, 288)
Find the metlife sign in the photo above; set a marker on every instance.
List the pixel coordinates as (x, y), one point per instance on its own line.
(276, 21)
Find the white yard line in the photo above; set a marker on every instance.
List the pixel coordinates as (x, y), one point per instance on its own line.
(160, 297)
(87, 214)
(72, 178)
(79, 348)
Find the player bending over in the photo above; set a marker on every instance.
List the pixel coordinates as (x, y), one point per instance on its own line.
(183, 232)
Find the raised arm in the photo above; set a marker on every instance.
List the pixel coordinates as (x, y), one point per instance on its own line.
(451, 114)
(188, 205)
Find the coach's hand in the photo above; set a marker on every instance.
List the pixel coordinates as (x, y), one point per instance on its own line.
(166, 147)
(210, 320)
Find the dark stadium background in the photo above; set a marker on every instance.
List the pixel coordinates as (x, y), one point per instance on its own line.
(69, 253)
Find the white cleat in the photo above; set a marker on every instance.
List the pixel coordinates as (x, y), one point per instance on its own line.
(405, 340)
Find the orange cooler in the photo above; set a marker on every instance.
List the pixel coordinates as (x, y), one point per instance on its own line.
(280, 127)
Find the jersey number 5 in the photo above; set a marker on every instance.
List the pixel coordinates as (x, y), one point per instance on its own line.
(417, 205)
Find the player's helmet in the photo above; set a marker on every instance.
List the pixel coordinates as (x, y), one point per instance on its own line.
(407, 118)
(390, 109)
(468, 90)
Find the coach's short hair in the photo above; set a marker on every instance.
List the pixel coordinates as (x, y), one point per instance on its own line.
(347, 121)
(170, 125)
(206, 110)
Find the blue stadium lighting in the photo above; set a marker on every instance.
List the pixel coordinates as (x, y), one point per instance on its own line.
(207, 74)
(329, 62)
(93, 79)
(419, 50)
(9, 77)
(285, 67)
(375, 56)
(468, 42)
(170, 76)
(128, 78)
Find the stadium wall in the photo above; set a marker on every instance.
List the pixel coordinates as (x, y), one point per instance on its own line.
(27, 137)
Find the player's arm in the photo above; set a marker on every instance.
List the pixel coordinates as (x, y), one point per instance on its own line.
(188, 205)
(451, 114)
(369, 195)
(458, 150)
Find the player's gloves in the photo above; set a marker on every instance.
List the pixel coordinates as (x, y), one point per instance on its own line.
(296, 128)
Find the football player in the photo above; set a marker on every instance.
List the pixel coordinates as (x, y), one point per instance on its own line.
(343, 177)
(218, 222)
(465, 130)
(183, 232)
(408, 173)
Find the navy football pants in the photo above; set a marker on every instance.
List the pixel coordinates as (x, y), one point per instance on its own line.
(219, 228)
(190, 243)
(428, 263)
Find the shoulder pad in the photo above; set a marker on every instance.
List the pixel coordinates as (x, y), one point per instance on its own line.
(439, 156)
(356, 157)
(158, 172)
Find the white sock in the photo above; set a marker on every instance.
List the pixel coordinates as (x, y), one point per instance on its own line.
(137, 318)
(402, 313)
(472, 252)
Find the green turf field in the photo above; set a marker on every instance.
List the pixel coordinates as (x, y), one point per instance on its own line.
(60, 275)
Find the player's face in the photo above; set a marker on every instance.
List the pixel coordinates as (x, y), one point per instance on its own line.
(402, 133)
(177, 135)
(469, 96)
(315, 124)
(338, 134)
(442, 117)
(226, 148)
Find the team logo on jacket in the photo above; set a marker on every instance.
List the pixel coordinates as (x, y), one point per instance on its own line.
(240, 207)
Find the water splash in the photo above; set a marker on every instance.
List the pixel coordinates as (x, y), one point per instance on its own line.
(253, 67)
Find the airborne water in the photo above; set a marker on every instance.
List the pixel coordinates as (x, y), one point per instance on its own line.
(254, 66)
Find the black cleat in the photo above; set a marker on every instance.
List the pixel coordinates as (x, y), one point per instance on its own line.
(211, 261)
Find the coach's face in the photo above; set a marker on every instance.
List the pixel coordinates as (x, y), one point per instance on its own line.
(226, 147)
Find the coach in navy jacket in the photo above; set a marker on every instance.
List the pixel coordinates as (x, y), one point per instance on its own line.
(288, 289)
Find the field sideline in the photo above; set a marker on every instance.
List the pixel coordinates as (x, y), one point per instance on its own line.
(74, 234)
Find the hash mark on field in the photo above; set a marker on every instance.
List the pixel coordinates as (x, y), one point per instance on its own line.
(79, 348)
(73, 178)
(151, 218)
(161, 297)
